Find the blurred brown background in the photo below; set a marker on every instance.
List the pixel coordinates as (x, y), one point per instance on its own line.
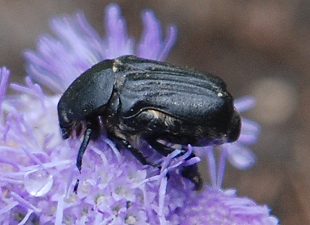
(261, 48)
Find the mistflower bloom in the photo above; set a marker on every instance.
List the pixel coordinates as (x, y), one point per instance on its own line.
(37, 167)
(215, 206)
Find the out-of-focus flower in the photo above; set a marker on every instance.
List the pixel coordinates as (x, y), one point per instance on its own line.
(217, 206)
(77, 46)
(37, 167)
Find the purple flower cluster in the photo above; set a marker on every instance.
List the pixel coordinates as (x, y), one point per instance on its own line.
(37, 167)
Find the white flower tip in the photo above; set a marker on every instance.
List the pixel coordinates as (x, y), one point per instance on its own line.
(4, 71)
(149, 15)
(113, 10)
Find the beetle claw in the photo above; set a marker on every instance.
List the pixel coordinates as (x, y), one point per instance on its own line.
(76, 185)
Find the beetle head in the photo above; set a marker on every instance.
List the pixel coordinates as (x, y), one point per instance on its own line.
(66, 131)
(74, 128)
(66, 125)
(87, 96)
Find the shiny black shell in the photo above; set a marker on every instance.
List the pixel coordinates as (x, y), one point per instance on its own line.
(134, 99)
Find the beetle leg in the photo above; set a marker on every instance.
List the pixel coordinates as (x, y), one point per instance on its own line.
(189, 172)
(161, 148)
(138, 155)
(86, 139)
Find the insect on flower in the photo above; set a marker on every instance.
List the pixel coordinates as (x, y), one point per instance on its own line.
(139, 100)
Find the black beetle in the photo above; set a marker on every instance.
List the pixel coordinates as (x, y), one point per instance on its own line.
(135, 100)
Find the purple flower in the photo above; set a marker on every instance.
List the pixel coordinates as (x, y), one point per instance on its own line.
(77, 46)
(215, 206)
(37, 167)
